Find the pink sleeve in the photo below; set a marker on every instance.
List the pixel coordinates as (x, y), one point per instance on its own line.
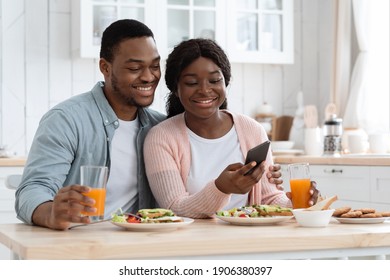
(167, 167)
(270, 193)
(263, 192)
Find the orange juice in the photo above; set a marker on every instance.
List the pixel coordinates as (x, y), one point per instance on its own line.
(99, 195)
(300, 192)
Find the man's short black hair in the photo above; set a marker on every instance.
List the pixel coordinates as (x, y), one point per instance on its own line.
(121, 30)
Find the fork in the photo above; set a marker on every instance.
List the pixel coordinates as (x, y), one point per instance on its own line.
(247, 211)
(133, 215)
(81, 225)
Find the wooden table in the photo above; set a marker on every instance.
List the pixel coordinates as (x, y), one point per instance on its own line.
(202, 239)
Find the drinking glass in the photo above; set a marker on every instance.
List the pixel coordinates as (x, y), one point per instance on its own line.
(300, 184)
(96, 178)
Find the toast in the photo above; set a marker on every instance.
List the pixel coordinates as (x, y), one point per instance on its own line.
(158, 215)
(323, 204)
(273, 210)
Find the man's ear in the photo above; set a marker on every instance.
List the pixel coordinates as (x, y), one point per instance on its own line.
(104, 66)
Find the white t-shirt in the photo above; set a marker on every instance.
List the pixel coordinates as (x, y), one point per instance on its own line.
(122, 183)
(209, 157)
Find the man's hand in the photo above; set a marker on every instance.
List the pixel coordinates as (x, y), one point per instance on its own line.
(65, 208)
(274, 176)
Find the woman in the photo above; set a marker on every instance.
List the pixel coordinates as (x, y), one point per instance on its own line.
(194, 159)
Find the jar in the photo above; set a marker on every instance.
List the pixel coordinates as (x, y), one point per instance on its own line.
(347, 132)
(333, 131)
(265, 109)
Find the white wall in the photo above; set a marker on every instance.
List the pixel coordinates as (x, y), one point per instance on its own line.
(38, 71)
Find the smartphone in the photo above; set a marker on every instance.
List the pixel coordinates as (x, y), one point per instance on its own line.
(258, 154)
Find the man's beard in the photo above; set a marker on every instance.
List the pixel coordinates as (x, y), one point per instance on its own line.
(129, 100)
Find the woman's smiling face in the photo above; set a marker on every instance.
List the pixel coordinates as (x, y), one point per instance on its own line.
(201, 88)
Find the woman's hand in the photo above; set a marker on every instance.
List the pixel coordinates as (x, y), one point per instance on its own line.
(274, 176)
(314, 193)
(236, 179)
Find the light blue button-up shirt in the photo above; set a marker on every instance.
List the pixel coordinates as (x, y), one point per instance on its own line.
(77, 132)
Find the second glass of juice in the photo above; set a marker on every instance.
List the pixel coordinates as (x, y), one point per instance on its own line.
(300, 184)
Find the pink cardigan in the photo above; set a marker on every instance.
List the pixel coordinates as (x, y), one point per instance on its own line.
(167, 160)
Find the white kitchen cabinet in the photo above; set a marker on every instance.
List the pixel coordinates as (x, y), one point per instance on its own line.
(350, 183)
(255, 31)
(171, 21)
(261, 31)
(184, 19)
(91, 17)
(7, 201)
(380, 187)
(355, 186)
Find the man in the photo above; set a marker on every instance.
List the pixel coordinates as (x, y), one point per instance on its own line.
(105, 126)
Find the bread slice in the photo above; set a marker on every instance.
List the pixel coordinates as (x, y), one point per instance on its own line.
(272, 210)
(323, 204)
(155, 213)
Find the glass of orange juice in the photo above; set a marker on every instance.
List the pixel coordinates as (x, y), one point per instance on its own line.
(300, 184)
(96, 178)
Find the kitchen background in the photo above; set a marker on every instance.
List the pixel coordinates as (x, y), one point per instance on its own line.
(40, 67)
(43, 61)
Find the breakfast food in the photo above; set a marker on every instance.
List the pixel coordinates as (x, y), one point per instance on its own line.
(158, 215)
(272, 210)
(385, 214)
(348, 212)
(342, 210)
(366, 210)
(256, 211)
(155, 215)
(323, 203)
(352, 214)
(371, 215)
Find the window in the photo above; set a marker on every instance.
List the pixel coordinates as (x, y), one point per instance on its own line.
(376, 97)
(368, 103)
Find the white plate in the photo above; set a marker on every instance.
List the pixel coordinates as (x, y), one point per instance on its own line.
(282, 145)
(361, 220)
(287, 152)
(255, 221)
(154, 226)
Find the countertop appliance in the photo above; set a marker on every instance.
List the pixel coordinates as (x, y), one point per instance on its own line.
(333, 131)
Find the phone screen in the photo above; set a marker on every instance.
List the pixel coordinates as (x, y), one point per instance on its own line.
(257, 154)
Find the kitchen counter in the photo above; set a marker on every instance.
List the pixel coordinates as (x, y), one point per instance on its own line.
(366, 160)
(203, 239)
(362, 160)
(12, 161)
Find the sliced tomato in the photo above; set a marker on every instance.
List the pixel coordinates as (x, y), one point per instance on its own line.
(242, 216)
(133, 220)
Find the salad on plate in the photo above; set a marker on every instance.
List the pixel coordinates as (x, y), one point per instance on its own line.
(146, 216)
(256, 211)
